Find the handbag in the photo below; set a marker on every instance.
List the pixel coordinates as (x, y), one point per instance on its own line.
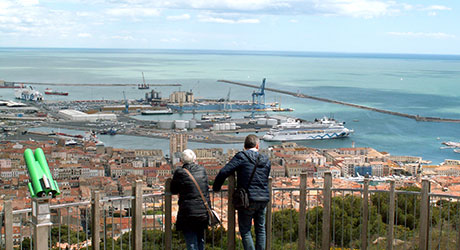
(241, 194)
(213, 218)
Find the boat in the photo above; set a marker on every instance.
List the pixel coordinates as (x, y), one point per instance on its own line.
(143, 85)
(256, 116)
(452, 144)
(111, 131)
(70, 142)
(157, 112)
(282, 109)
(215, 117)
(28, 94)
(49, 91)
(295, 130)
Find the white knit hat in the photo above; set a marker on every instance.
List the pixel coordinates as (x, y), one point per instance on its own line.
(188, 156)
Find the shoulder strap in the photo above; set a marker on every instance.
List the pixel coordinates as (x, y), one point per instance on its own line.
(255, 165)
(199, 190)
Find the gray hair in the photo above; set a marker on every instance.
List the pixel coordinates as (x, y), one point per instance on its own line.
(188, 156)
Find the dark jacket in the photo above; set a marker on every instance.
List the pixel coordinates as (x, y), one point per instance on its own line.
(258, 188)
(192, 213)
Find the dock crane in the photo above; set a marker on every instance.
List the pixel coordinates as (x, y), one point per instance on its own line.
(126, 111)
(227, 100)
(259, 94)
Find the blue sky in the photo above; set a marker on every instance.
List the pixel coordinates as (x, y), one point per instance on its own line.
(428, 27)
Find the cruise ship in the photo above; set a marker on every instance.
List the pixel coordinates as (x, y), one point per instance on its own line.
(294, 130)
(28, 94)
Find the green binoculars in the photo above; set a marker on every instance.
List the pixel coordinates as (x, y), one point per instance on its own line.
(41, 182)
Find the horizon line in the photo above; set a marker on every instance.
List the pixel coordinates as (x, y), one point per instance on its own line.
(235, 50)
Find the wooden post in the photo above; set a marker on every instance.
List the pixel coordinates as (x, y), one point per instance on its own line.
(327, 195)
(168, 215)
(268, 226)
(302, 231)
(8, 212)
(424, 215)
(365, 214)
(95, 220)
(391, 217)
(231, 244)
(137, 215)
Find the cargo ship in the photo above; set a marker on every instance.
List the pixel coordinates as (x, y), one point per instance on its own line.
(294, 130)
(54, 92)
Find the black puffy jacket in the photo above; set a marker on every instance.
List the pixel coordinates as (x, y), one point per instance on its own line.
(258, 188)
(192, 211)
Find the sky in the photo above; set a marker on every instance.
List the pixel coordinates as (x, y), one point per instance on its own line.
(363, 26)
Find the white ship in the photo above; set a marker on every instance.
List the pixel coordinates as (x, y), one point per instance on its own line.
(157, 112)
(28, 94)
(294, 130)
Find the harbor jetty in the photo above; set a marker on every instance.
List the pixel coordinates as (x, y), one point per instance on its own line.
(300, 95)
(93, 84)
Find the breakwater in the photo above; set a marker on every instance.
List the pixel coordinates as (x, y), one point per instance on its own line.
(300, 95)
(94, 84)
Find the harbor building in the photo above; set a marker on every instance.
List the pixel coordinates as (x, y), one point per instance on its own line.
(181, 97)
(75, 115)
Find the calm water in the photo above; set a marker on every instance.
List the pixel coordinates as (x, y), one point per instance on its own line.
(427, 85)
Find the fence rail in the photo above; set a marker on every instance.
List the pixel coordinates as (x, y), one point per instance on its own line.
(298, 218)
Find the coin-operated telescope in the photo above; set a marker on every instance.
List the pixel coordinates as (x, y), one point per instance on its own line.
(41, 182)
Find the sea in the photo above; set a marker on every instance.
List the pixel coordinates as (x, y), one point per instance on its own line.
(427, 85)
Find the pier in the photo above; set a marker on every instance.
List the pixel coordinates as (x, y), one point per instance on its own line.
(300, 95)
(95, 84)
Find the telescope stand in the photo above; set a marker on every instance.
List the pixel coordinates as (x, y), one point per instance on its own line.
(41, 220)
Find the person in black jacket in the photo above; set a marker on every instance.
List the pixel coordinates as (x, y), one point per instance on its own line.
(192, 218)
(244, 163)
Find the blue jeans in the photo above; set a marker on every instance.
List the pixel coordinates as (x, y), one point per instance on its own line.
(257, 212)
(194, 239)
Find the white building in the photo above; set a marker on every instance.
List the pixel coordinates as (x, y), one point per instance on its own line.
(75, 115)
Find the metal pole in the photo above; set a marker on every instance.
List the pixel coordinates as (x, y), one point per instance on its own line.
(302, 233)
(41, 220)
(391, 216)
(231, 214)
(424, 215)
(327, 195)
(95, 220)
(8, 211)
(269, 225)
(365, 214)
(168, 215)
(137, 215)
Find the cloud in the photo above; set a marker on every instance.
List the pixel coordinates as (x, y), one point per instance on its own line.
(133, 11)
(437, 7)
(437, 35)
(27, 18)
(351, 8)
(170, 40)
(125, 38)
(28, 2)
(180, 17)
(209, 19)
(84, 35)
